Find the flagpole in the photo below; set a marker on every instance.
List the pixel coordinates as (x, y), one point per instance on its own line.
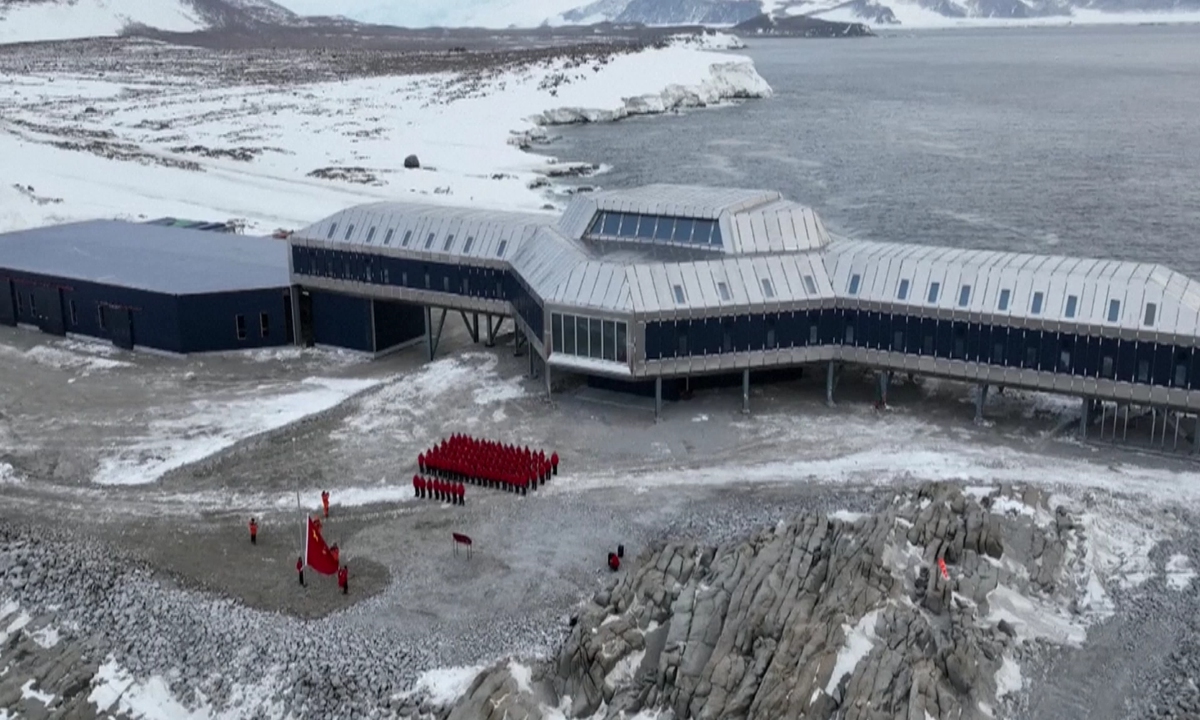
(303, 545)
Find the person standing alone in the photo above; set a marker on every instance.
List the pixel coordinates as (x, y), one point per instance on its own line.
(325, 502)
(253, 532)
(300, 569)
(344, 579)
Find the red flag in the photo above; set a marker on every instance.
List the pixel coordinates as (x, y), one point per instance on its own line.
(316, 553)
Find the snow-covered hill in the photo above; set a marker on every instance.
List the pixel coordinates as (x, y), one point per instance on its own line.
(40, 20)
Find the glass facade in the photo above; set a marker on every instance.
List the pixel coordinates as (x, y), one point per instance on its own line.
(589, 337)
(655, 228)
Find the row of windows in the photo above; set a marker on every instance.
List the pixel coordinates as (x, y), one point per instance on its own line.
(589, 337)
(1036, 302)
(662, 228)
(446, 245)
(465, 280)
(1065, 353)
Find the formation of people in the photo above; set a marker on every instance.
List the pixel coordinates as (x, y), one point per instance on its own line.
(486, 463)
(434, 488)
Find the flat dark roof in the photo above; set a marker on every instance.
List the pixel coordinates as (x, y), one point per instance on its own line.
(171, 260)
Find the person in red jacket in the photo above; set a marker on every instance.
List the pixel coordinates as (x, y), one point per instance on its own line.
(344, 579)
(553, 463)
(614, 562)
(253, 531)
(459, 493)
(437, 488)
(416, 486)
(300, 569)
(325, 502)
(421, 462)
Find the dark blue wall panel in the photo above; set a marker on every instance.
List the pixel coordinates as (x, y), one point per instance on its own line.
(397, 322)
(155, 316)
(210, 322)
(342, 321)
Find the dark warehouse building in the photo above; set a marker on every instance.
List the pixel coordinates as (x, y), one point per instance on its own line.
(186, 288)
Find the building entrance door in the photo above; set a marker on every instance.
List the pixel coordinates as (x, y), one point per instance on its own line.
(120, 323)
(8, 303)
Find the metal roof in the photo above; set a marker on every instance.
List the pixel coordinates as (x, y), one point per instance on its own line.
(773, 253)
(435, 229)
(170, 260)
(1017, 285)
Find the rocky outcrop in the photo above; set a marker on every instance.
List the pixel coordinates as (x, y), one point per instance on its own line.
(819, 618)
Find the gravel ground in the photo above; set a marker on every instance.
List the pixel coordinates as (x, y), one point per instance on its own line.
(171, 560)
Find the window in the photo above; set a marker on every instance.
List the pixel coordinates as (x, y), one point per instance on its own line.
(556, 323)
(100, 317)
(927, 345)
(370, 234)
(964, 296)
(854, 281)
(428, 285)
(681, 338)
(727, 337)
(429, 241)
(645, 229)
(849, 334)
(1036, 307)
(902, 293)
(264, 324)
(240, 322)
(332, 230)
(1031, 358)
(622, 353)
(502, 248)
(724, 290)
(74, 313)
(407, 237)
(595, 339)
(32, 304)
(1114, 310)
(468, 244)
(581, 336)
(404, 278)
(768, 290)
(1143, 373)
(934, 287)
(386, 279)
(612, 224)
(1064, 361)
(610, 340)
(1151, 309)
(1072, 302)
(998, 354)
(449, 242)
(1005, 296)
(771, 344)
(349, 231)
(898, 341)
(1106, 366)
(466, 286)
(663, 231)
(387, 237)
(683, 230)
(568, 334)
(810, 285)
(597, 223)
(679, 297)
(21, 305)
(812, 335)
(1181, 369)
(446, 284)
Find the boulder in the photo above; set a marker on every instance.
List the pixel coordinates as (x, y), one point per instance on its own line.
(411, 162)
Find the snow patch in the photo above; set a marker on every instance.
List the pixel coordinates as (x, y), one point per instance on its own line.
(859, 641)
(1004, 505)
(625, 670)
(1119, 548)
(66, 355)
(444, 685)
(116, 691)
(46, 637)
(846, 515)
(17, 625)
(1033, 618)
(1008, 678)
(1179, 572)
(211, 427)
(522, 674)
(8, 475)
(29, 693)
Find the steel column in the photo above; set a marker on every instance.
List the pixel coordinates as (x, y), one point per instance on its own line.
(472, 330)
(746, 391)
(294, 298)
(829, 384)
(1083, 418)
(884, 377)
(980, 399)
(546, 367)
(657, 397)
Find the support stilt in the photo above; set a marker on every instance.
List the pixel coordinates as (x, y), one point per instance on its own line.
(532, 369)
(884, 379)
(657, 398)
(546, 368)
(746, 391)
(980, 399)
(1083, 418)
(472, 329)
(1153, 424)
(1175, 446)
(829, 384)
(1125, 429)
(1196, 437)
(1103, 415)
